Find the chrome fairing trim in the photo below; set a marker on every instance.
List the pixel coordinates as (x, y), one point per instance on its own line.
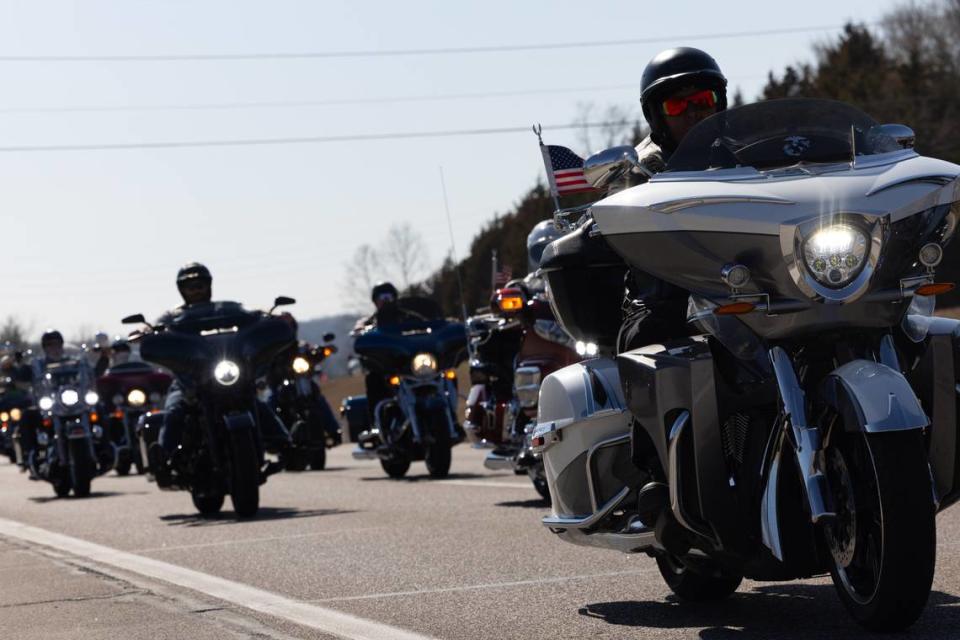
(769, 510)
(610, 442)
(882, 397)
(806, 439)
(672, 206)
(560, 522)
(673, 472)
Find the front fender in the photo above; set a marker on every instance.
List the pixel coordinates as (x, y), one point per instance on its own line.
(874, 397)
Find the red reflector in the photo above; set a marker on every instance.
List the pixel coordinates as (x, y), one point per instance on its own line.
(538, 441)
(734, 309)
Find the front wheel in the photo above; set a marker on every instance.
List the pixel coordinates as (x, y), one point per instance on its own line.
(702, 582)
(81, 467)
(396, 467)
(208, 504)
(883, 542)
(244, 474)
(318, 459)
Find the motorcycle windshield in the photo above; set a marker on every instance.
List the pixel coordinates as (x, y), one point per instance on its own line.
(392, 347)
(781, 133)
(210, 317)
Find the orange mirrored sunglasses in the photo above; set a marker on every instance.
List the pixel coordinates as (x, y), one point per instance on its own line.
(706, 99)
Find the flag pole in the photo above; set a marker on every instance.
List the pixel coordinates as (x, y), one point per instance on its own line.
(548, 166)
(453, 247)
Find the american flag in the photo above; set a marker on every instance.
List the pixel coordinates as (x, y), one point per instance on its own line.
(502, 276)
(564, 170)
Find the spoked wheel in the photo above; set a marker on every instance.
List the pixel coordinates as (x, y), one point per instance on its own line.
(244, 474)
(883, 543)
(703, 581)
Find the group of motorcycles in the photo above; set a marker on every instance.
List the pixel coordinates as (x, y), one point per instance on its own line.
(66, 426)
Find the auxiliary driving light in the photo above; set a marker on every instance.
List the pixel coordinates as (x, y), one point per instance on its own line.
(45, 403)
(931, 254)
(91, 398)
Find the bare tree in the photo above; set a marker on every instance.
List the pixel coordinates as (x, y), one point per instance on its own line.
(403, 254)
(360, 274)
(612, 127)
(15, 331)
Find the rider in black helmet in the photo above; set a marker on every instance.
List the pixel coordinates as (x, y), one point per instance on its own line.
(194, 282)
(679, 88)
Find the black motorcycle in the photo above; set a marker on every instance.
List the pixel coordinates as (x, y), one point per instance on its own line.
(297, 399)
(216, 351)
(416, 361)
(70, 448)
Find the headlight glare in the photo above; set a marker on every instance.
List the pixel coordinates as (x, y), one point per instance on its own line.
(91, 398)
(301, 365)
(836, 254)
(16, 414)
(136, 397)
(69, 397)
(424, 364)
(45, 403)
(227, 373)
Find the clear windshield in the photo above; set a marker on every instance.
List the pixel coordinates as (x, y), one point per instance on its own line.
(780, 133)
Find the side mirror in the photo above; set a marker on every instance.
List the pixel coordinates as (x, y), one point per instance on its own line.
(903, 134)
(282, 301)
(609, 165)
(134, 319)
(328, 337)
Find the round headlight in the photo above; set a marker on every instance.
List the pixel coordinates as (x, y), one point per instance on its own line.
(227, 372)
(91, 398)
(16, 414)
(4, 416)
(835, 255)
(136, 397)
(424, 364)
(300, 365)
(931, 254)
(45, 403)
(69, 397)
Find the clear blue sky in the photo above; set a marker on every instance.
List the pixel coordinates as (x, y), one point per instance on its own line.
(90, 236)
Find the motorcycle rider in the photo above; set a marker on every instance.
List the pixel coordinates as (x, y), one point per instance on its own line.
(388, 312)
(195, 284)
(679, 88)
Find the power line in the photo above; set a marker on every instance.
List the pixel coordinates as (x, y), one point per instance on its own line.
(413, 52)
(362, 137)
(270, 104)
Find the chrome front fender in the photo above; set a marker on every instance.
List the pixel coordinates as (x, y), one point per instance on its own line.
(876, 397)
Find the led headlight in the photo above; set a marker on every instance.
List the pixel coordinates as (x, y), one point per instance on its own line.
(15, 415)
(227, 372)
(69, 397)
(424, 364)
(300, 365)
(91, 398)
(836, 254)
(136, 397)
(45, 403)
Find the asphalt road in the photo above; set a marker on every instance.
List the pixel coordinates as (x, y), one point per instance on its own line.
(460, 558)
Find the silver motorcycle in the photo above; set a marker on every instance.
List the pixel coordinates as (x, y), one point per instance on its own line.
(807, 423)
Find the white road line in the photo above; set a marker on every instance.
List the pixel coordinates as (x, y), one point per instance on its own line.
(342, 625)
(485, 483)
(220, 543)
(491, 585)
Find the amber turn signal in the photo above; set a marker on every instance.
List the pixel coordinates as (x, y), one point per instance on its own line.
(450, 374)
(395, 381)
(934, 288)
(734, 309)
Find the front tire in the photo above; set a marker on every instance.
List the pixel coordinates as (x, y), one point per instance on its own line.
(81, 468)
(396, 467)
(705, 582)
(883, 544)
(318, 459)
(208, 504)
(244, 474)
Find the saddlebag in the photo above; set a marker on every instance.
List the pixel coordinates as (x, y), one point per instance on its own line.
(353, 409)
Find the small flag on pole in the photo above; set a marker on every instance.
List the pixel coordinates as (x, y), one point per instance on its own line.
(564, 170)
(502, 276)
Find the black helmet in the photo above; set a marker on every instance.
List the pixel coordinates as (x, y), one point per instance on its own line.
(381, 288)
(49, 336)
(193, 271)
(669, 71)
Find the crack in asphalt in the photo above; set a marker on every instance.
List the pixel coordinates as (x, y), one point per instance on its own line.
(75, 599)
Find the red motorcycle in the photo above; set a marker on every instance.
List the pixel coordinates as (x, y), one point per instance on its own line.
(127, 392)
(512, 350)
